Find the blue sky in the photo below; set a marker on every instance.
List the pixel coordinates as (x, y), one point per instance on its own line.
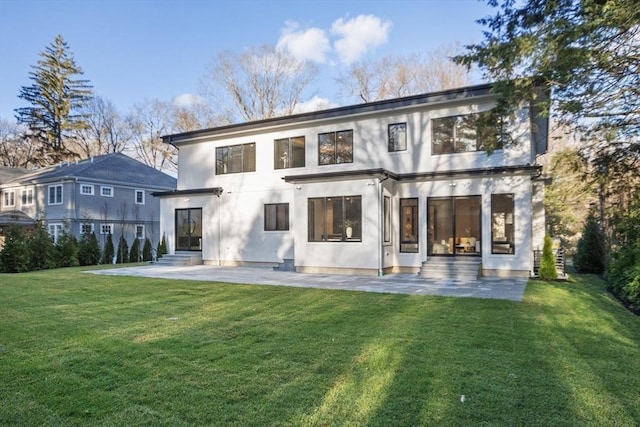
(132, 50)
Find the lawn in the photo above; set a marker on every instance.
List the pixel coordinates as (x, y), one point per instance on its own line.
(83, 349)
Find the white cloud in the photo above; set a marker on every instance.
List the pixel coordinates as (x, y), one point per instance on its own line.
(314, 104)
(310, 44)
(187, 100)
(358, 35)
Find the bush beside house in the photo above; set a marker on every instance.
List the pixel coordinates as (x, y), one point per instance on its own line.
(547, 269)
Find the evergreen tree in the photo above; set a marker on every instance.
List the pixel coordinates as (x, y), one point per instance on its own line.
(42, 249)
(109, 251)
(147, 254)
(67, 249)
(123, 251)
(589, 257)
(88, 250)
(547, 269)
(134, 254)
(56, 99)
(162, 247)
(14, 257)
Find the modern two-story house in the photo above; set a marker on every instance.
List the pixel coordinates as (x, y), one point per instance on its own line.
(106, 194)
(366, 189)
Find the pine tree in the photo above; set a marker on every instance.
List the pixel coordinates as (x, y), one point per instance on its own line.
(146, 250)
(548, 262)
(108, 252)
(42, 249)
(162, 247)
(123, 251)
(56, 99)
(88, 250)
(67, 249)
(589, 257)
(134, 253)
(14, 257)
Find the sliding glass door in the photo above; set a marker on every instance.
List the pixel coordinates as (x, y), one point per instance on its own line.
(189, 229)
(453, 225)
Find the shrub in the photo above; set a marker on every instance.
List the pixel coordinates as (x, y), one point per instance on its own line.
(88, 250)
(67, 249)
(134, 254)
(162, 247)
(42, 249)
(14, 257)
(123, 251)
(548, 262)
(589, 256)
(109, 251)
(147, 254)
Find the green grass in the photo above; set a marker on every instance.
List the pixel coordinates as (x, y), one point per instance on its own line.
(80, 349)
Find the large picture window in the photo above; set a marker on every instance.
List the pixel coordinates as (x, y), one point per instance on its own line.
(502, 224)
(409, 225)
(398, 137)
(335, 219)
(276, 216)
(288, 153)
(335, 147)
(466, 133)
(236, 159)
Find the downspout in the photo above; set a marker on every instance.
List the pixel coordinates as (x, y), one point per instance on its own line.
(381, 226)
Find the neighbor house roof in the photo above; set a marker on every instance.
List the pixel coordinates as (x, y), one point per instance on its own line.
(9, 174)
(115, 168)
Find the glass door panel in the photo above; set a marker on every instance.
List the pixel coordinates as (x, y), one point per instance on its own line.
(440, 230)
(467, 225)
(453, 225)
(189, 229)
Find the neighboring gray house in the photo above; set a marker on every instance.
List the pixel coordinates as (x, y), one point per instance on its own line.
(103, 194)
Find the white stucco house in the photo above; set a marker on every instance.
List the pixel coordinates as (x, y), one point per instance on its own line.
(388, 186)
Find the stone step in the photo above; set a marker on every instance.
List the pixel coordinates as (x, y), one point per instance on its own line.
(180, 258)
(462, 268)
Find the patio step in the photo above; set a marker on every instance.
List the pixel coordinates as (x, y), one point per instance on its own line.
(181, 258)
(461, 268)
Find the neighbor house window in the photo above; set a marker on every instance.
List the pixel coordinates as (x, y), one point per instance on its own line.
(86, 189)
(409, 225)
(236, 158)
(106, 228)
(335, 219)
(55, 231)
(335, 147)
(276, 216)
(86, 228)
(398, 137)
(502, 224)
(27, 197)
(386, 214)
(467, 133)
(55, 195)
(288, 153)
(9, 199)
(106, 191)
(139, 231)
(139, 197)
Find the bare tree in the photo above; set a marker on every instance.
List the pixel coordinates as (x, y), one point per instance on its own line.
(17, 148)
(148, 122)
(106, 132)
(260, 83)
(395, 76)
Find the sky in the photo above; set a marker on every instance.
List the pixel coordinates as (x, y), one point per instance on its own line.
(133, 51)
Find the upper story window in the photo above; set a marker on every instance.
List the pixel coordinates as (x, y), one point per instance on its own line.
(139, 197)
(335, 147)
(467, 133)
(276, 216)
(397, 137)
(55, 195)
(288, 153)
(9, 199)
(86, 189)
(335, 219)
(27, 197)
(236, 158)
(106, 191)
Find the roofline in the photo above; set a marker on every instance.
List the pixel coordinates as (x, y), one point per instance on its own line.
(533, 170)
(370, 107)
(217, 191)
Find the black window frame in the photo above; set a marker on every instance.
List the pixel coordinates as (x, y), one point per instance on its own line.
(277, 222)
(503, 216)
(392, 137)
(409, 230)
(290, 158)
(247, 158)
(339, 225)
(334, 157)
(487, 127)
